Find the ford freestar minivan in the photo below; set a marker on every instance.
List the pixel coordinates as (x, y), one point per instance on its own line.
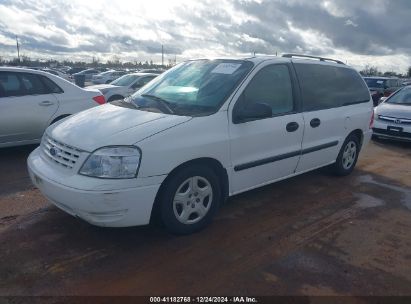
(203, 131)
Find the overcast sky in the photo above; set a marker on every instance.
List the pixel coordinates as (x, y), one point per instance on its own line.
(374, 32)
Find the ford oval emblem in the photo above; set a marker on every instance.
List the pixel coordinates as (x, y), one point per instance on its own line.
(53, 151)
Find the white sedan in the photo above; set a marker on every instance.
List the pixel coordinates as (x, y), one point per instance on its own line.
(124, 86)
(32, 100)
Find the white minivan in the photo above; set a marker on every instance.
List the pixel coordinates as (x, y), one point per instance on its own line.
(199, 133)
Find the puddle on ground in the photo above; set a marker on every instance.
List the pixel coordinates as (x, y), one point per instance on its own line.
(406, 192)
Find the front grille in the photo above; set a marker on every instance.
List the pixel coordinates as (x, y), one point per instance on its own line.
(399, 121)
(392, 133)
(62, 154)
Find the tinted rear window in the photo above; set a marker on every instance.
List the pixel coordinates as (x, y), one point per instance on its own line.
(325, 86)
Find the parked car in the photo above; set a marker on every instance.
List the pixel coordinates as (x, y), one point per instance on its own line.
(32, 100)
(60, 74)
(107, 77)
(124, 86)
(202, 131)
(87, 73)
(393, 116)
(382, 87)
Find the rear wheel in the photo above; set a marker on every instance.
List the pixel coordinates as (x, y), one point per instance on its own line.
(190, 199)
(347, 157)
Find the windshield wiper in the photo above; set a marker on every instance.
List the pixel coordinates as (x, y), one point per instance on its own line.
(161, 101)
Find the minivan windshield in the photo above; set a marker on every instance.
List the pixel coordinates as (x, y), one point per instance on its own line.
(403, 97)
(192, 88)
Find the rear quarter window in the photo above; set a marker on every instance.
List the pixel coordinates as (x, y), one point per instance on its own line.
(326, 86)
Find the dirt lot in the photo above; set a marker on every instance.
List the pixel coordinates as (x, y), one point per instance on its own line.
(312, 235)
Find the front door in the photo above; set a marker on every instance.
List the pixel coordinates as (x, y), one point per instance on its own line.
(265, 150)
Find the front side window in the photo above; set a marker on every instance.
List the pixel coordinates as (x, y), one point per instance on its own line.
(193, 88)
(271, 86)
(329, 86)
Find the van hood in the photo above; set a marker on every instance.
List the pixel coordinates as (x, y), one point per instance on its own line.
(394, 110)
(109, 125)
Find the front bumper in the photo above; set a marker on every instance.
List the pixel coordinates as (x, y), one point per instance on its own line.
(393, 131)
(107, 208)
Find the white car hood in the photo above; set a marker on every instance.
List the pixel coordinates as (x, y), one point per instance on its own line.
(109, 125)
(394, 110)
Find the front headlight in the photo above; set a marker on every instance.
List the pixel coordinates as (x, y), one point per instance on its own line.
(112, 162)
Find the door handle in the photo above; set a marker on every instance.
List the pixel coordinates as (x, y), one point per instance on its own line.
(46, 103)
(315, 122)
(292, 126)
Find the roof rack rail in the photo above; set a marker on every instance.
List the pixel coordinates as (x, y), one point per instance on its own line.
(313, 57)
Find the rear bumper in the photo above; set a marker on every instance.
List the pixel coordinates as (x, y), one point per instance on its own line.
(107, 208)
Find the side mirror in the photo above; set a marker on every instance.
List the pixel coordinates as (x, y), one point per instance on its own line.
(251, 112)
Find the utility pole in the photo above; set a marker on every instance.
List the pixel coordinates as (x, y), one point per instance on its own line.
(18, 48)
(162, 55)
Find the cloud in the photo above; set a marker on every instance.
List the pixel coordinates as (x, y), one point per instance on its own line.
(135, 30)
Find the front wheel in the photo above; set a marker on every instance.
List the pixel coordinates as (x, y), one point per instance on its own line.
(190, 199)
(347, 157)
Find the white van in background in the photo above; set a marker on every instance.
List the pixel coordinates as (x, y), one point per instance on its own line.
(200, 132)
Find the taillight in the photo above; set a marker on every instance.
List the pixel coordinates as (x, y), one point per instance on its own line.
(99, 99)
(372, 120)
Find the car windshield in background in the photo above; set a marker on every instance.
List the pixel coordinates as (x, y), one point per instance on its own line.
(125, 80)
(375, 82)
(403, 96)
(193, 88)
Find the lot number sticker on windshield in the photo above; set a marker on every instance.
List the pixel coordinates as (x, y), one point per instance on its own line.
(226, 68)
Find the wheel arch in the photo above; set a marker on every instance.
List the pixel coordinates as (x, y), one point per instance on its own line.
(59, 118)
(115, 97)
(204, 161)
(359, 134)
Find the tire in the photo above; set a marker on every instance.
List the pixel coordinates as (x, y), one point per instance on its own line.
(184, 208)
(347, 157)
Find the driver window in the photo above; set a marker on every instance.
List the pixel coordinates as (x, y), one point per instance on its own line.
(272, 86)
